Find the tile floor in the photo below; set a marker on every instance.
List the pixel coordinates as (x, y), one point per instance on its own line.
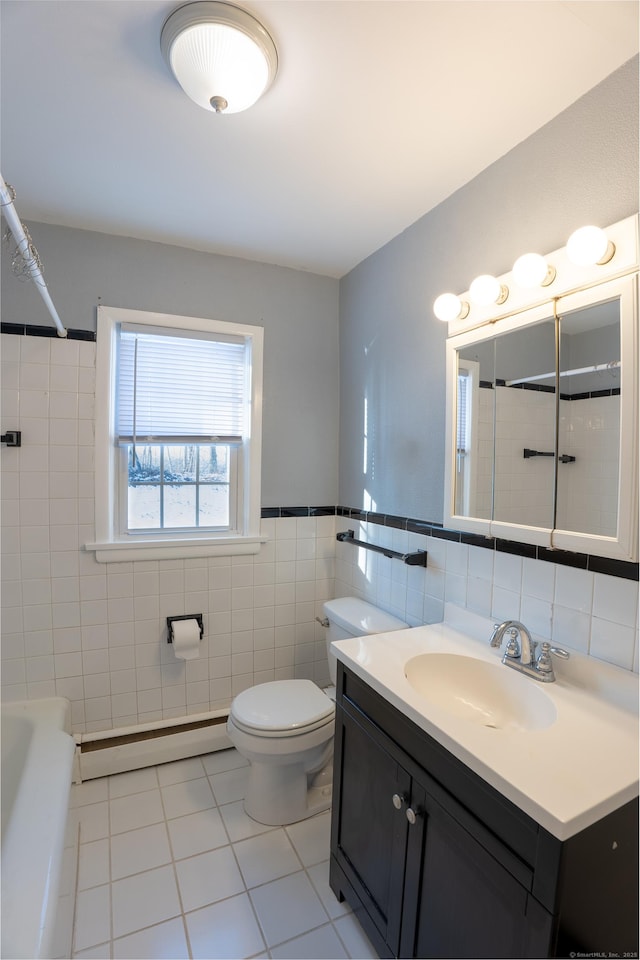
(170, 866)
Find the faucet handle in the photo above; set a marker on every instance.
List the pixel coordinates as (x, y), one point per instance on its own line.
(544, 662)
(546, 648)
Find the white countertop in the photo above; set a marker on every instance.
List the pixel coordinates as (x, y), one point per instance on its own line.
(565, 776)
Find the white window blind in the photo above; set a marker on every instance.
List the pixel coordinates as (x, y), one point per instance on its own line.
(177, 387)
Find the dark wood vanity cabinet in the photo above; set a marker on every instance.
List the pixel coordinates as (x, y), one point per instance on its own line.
(436, 863)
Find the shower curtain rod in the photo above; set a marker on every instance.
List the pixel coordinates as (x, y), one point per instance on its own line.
(26, 251)
(596, 368)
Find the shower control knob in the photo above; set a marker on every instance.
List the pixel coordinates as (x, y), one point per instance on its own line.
(412, 815)
(397, 801)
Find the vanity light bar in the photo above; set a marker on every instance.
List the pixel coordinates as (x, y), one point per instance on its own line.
(590, 256)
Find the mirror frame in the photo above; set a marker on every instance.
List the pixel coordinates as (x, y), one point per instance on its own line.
(624, 545)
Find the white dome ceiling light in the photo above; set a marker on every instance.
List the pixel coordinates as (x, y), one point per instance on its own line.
(222, 57)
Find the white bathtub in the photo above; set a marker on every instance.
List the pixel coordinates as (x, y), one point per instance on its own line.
(37, 760)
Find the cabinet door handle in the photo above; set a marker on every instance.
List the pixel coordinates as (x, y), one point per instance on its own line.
(412, 815)
(397, 800)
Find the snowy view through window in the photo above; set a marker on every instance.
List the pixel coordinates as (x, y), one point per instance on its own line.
(178, 486)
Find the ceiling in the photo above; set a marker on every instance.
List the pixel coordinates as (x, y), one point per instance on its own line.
(379, 111)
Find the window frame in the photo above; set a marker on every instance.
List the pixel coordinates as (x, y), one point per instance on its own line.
(113, 544)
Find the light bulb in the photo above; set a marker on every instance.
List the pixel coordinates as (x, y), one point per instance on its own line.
(448, 307)
(588, 246)
(486, 290)
(532, 270)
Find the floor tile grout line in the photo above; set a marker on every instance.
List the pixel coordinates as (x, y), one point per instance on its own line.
(109, 823)
(175, 870)
(175, 859)
(150, 926)
(246, 889)
(96, 946)
(184, 914)
(342, 941)
(256, 886)
(275, 880)
(319, 926)
(112, 881)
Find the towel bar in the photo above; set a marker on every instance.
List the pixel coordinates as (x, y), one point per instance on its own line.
(416, 559)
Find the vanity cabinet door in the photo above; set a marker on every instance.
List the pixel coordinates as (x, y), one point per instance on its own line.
(369, 833)
(460, 901)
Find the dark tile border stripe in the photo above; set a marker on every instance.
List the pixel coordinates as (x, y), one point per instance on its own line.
(564, 557)
(582, 561)
(614, 568)
(274, 513)
(33, 330)
(592, 394)
(518, 549)
(543, 388)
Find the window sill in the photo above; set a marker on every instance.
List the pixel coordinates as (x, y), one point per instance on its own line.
(127, 550)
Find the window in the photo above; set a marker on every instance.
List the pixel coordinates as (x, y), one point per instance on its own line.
(177, 436)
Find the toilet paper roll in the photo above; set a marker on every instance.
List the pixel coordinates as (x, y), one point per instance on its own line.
(186, 639)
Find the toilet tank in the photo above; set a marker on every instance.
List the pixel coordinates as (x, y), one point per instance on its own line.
(352, 617)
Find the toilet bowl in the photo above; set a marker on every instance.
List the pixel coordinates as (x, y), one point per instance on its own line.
(285, 728)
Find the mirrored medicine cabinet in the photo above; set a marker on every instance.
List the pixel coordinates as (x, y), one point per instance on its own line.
(542, 424)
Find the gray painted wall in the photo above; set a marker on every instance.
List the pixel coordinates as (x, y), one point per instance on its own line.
(582, 167)
(388, 402)
(299, 312)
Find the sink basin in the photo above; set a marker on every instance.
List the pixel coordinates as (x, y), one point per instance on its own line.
(487, 694)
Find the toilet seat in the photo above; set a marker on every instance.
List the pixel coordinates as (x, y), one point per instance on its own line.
(282, 708)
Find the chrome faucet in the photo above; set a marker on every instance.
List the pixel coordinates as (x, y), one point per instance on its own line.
(521, 651)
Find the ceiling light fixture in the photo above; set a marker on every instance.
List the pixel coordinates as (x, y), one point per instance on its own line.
(589, 246)
(532, 270)
(486, 290)
(222, 57)
(448, 307)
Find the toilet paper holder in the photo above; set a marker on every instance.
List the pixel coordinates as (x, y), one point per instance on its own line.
(184, 616)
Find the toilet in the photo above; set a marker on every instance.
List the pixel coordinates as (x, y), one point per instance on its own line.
(285, 728)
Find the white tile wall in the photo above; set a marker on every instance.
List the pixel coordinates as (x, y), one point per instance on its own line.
(587, 489)
(524, 486)
(591, 612)
(96, 633)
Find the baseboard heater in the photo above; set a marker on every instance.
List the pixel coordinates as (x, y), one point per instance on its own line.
(146, 744)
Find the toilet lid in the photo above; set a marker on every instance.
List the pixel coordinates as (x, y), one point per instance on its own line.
(282, 705)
